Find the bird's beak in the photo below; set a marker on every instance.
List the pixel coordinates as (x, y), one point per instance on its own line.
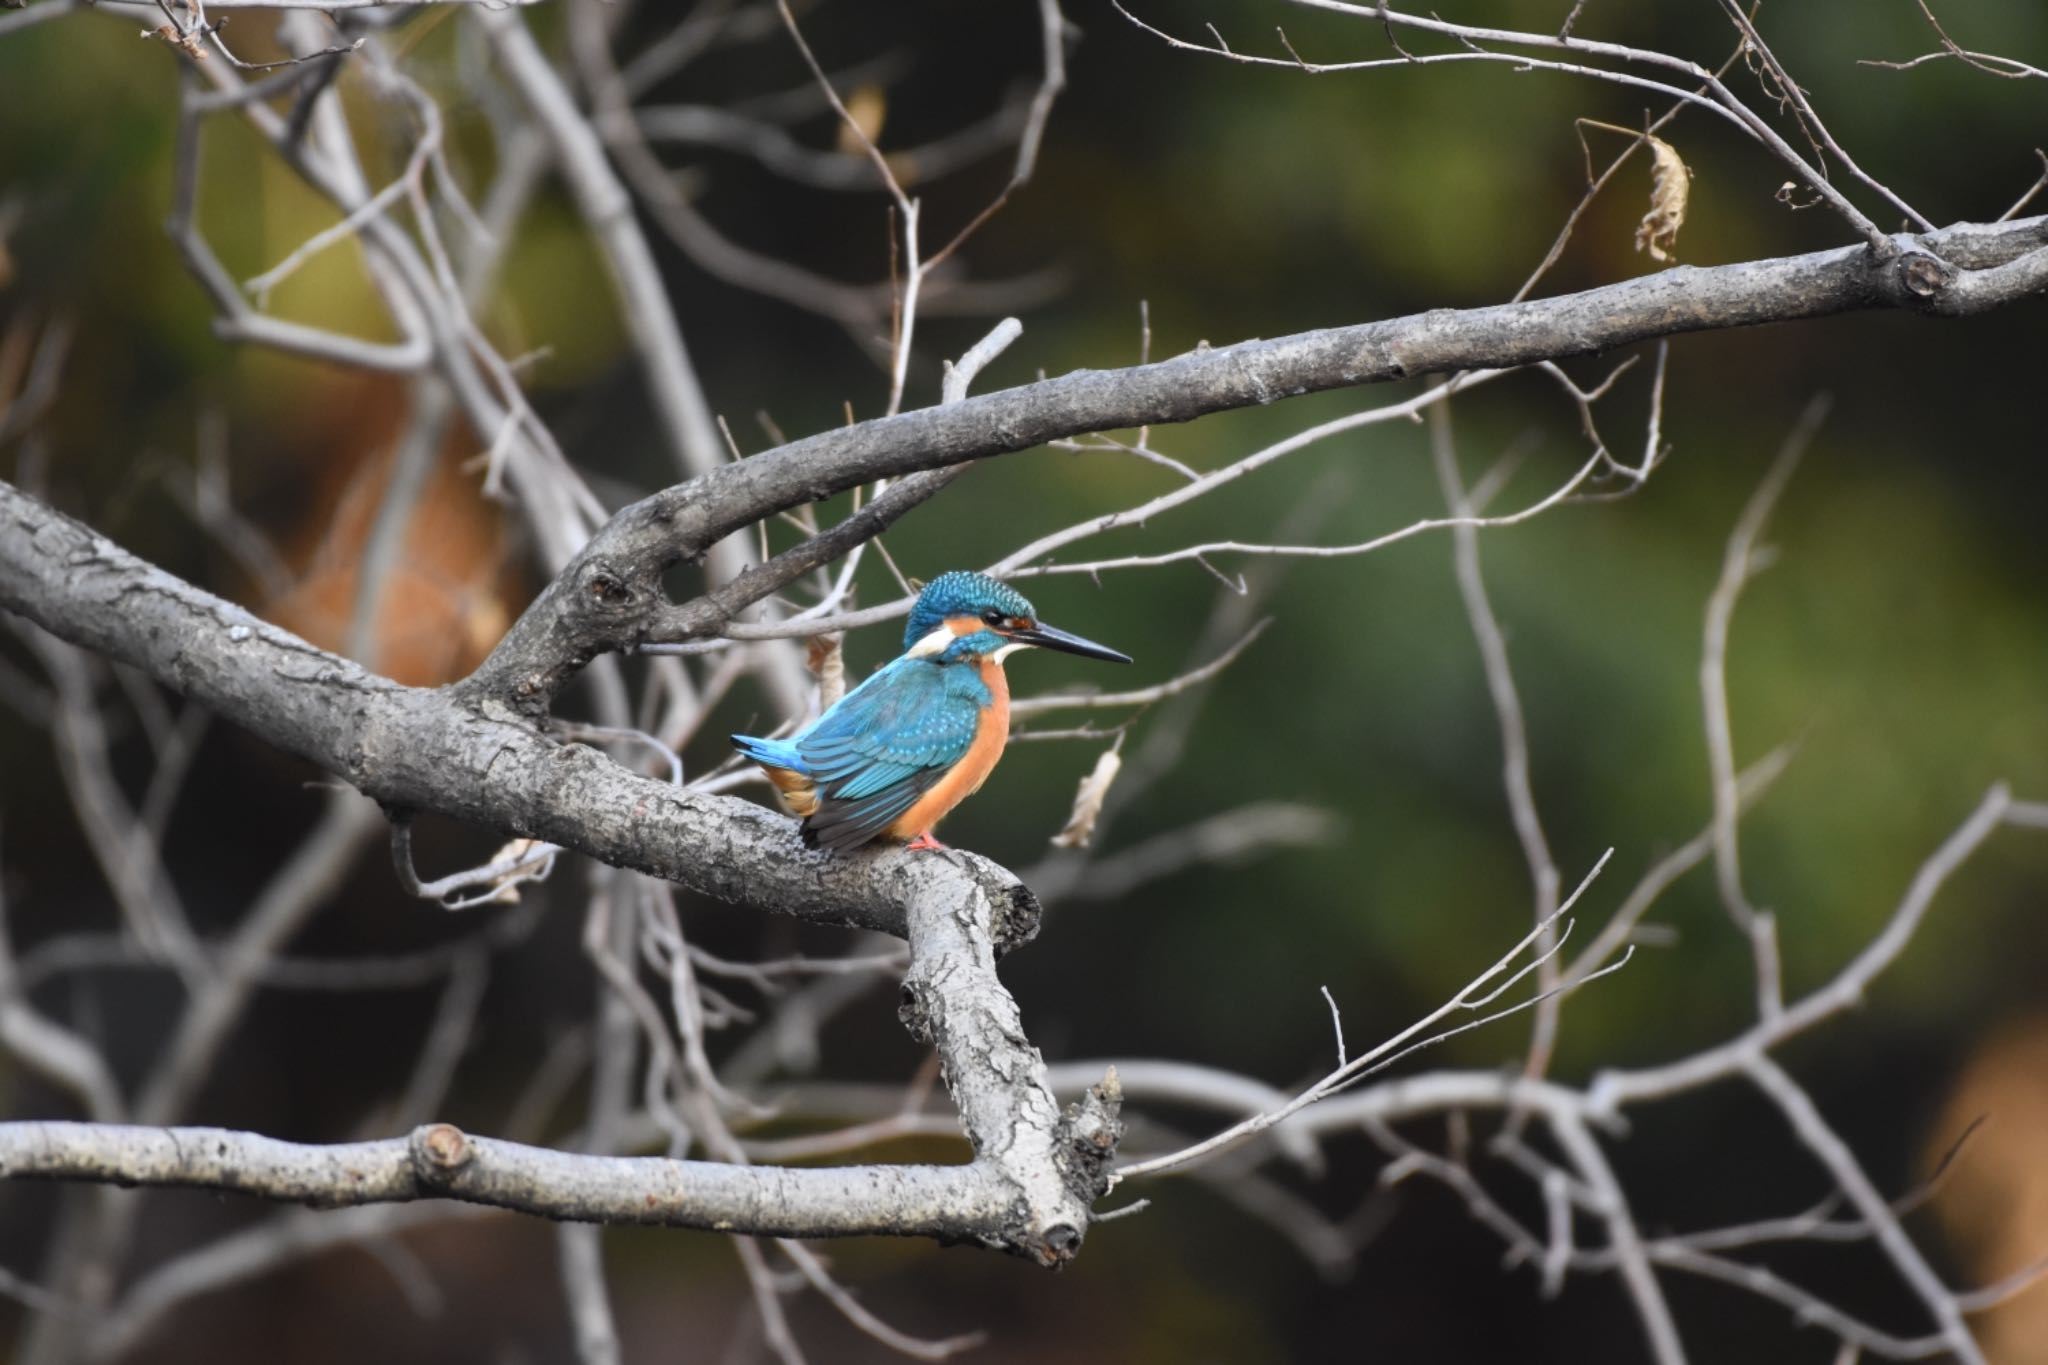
(1048, 637)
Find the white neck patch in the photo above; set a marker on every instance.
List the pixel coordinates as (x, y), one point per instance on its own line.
(932, 645)
(941, 640)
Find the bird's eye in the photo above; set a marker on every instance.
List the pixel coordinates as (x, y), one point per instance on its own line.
(992, 616)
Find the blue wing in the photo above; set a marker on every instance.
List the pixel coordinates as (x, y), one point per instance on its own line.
(885, 744)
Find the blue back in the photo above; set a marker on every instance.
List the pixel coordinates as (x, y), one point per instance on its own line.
(880, 747)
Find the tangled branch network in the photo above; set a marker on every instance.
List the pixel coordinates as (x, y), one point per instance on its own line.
(676, 1127)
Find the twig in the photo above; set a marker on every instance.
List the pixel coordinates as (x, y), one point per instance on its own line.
(1841, 1163)
(1507, 705)
(1476, 995)
(1739, 564)
(1989, 63)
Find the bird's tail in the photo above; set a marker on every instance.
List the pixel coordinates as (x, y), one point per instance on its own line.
(770, 753)
(785, 768)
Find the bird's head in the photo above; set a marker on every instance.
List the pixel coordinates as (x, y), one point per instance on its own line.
(962, 616)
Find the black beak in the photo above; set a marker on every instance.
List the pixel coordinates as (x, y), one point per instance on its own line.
(1046, 637)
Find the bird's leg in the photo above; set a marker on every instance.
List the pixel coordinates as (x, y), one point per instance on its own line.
(925, 841)
(946, 851)
(951, 855)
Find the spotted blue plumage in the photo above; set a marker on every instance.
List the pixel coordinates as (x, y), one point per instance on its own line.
(880, 747)
(960, 592)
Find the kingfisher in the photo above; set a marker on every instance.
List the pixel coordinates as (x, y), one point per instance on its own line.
(890, 758)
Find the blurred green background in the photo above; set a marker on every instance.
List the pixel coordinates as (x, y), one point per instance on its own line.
(1900, 640)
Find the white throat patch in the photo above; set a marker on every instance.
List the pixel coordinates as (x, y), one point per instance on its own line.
(1006, 651)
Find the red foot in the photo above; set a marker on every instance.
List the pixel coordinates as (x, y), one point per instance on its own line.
(924, 840)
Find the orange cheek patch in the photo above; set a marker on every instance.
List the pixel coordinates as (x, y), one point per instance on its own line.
(963, 625)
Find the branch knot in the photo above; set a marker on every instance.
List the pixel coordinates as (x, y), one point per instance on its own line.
(914, 1013)
(439, 1150)
(606, 590)
(1924, 276)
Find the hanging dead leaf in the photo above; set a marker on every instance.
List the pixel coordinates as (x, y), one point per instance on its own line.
(185, 41)
(1670, 188)
(518, 851)
(1080, 826)
(827, 663)
(867, 107)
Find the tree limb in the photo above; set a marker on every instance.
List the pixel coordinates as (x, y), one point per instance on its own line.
(421, 749)
(475, 751)
(610, 597)
(439, 1161)
(1036, 1171)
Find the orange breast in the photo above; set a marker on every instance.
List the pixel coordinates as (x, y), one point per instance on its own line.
(967, 776)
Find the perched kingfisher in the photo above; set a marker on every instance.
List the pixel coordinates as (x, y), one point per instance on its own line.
(891, 757)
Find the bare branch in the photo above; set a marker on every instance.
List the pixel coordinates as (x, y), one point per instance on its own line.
(1476, 995)
(442, 1162)
(1613, 1089)
(1478, 43)
(1739, 563)
(1956, 271)
(54, 1052)
(1142, 696)
(1989, 63)
(1841, 1163)
(1507, 705)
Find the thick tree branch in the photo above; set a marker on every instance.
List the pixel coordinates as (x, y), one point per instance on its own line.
(439, 1161)
(419, 749)
(978, 1202)
(1036, 1172)
(475, 752)
(611, 598)
(715, 610)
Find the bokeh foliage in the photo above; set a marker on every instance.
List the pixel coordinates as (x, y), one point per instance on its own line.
(1900, 641)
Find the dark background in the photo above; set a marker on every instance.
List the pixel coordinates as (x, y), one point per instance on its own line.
(1900, 640)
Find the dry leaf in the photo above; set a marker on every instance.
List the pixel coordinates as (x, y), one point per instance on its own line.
(518, 850)
(827, 663)
(1670, 187)
(1080, 827)
(187, 43)
(867, 106)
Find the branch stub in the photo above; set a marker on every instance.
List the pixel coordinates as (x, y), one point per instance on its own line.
(440, 1149)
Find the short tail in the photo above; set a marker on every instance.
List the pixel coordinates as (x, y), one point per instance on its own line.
(771, 753)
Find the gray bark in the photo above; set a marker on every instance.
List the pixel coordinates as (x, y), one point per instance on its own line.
(480, 751)
(954, 1203)
(1036, 1171)
(610, 598)
(424, 749)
